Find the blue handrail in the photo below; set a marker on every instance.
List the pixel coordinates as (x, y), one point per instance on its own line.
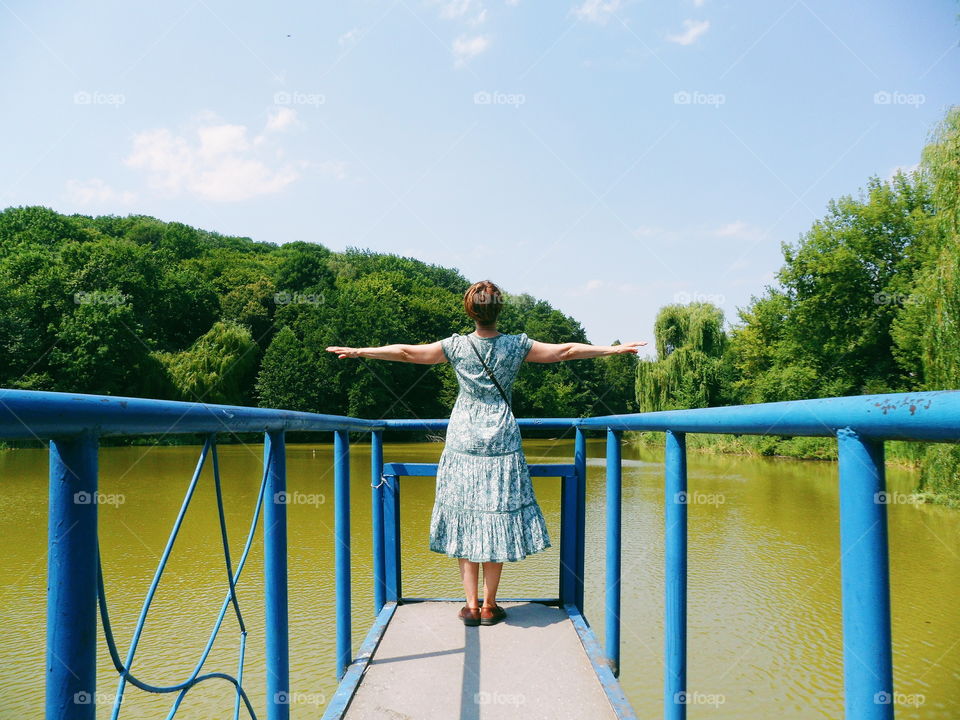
(74, 423)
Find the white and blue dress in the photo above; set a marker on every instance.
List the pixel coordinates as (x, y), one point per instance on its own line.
(485, 509)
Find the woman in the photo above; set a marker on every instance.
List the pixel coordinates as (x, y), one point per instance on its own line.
(485, 509)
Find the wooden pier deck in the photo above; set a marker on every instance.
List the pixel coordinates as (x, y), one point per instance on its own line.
(420, 662)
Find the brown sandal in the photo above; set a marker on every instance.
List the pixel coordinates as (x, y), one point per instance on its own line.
(469, 615)
(492, 615)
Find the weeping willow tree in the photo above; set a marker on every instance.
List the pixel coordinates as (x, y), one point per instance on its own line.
(927, 331)
(217, 368)
(688, 370)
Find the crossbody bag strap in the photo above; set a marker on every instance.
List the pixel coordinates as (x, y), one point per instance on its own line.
(489, 372)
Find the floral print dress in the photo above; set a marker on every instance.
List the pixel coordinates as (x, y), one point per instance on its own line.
(485, 509)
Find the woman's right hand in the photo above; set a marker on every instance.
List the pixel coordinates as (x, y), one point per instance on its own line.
(630, 347)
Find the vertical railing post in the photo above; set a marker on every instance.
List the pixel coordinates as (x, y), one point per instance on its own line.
(675, 552)
(568, 539)
(341, 531)
(376, 515)
(391, 538)
(612, 596)
(72, 580)
(276, 631)
(865, 579)
(580, 462)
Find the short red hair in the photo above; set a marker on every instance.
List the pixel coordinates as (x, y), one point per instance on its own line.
(483, 302)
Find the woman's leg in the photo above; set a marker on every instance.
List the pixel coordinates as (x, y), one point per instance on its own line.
(469, 572)
(491, 580)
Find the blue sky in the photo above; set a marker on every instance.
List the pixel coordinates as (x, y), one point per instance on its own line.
(607, 156)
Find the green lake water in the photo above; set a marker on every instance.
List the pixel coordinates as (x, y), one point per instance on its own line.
(764, 578)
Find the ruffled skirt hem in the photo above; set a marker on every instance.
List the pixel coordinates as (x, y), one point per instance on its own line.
(484, 536)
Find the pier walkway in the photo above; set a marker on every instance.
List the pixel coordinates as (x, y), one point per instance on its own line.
(430, 666)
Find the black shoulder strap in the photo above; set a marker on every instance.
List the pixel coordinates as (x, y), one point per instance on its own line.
(489, 372)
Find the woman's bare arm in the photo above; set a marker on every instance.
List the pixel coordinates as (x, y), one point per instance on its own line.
(557, 352)
(428, 354)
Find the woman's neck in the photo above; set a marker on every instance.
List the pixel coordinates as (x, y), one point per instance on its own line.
(486, 330)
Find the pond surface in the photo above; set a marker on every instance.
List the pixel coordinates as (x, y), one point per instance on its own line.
(764, 578)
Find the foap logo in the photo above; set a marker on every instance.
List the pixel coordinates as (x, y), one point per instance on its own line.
(914, 700)
(694, 697)
(897, 498)
(296, 97)
(98, 498)
(887, 298)
(289, 697)
(299, 498)
(696, 97)
(483, 97)
(298, 298)
(96, 97)
(684, 298)
(99, 298)
(895, 97)
(699, 498)
(95, 698)
(498, 698)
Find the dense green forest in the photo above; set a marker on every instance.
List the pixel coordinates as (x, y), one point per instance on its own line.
(867, 301)
(138, 307)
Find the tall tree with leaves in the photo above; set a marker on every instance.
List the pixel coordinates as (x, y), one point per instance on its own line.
(218, 368)
(928, 330)
(826, 330)
(688, 370)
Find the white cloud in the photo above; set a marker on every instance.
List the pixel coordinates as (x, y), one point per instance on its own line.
(739, 230)
(220, 163)
(734, 229)
(466, 48)
(597, 11)
(468, 14)
(216, 140)
(96, 192)
(693, 31)
(349, 37)
(281, 119)
(698, 3)
(455, 8)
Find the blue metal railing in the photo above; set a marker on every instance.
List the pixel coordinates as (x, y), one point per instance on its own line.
(73, 425)
(387, 576)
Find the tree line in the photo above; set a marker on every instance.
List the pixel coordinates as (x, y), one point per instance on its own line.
(866, 301)
(138, 307)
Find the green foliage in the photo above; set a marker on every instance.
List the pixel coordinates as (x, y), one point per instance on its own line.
(136, 306)
(827, 330)
(618, 379)
(570, 389)
(940, 473)
(217, 368)
(289, 376)
(927, 332)
(688, 372)
(99, 347)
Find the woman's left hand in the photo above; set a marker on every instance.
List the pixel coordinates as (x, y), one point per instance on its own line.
(344, 352)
